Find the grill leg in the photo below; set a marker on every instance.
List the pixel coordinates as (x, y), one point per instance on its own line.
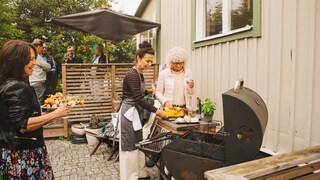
(152, 160)
(163, 175)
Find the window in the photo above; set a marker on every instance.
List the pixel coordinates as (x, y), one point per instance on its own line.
(218, 19)
(149, 36)
(145, 36)
(213, 17)
(241, 13)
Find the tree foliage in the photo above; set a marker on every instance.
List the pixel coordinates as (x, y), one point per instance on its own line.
(8, 28)
(123, 52)
(26, 20)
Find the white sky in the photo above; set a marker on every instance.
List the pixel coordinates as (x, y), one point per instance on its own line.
(127, 6)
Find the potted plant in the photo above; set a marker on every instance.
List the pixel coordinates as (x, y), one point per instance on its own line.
(94, 127)
(207, 109)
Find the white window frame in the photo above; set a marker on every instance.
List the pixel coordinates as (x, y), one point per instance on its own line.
(226, 22)
(150, 34)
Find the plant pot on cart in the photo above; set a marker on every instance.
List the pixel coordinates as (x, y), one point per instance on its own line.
(207, 109)
(91, 139)
(94, 129)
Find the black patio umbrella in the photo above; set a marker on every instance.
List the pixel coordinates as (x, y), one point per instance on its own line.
(107, 24)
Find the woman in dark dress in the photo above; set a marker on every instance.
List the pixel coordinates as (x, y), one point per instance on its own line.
(23, 154)
(132, 160)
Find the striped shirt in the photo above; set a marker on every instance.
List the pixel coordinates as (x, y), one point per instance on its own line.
(132, 89)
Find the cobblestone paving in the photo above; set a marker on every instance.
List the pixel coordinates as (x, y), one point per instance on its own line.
(73, 161)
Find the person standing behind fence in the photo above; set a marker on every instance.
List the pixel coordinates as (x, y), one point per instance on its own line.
(132, 160)
(23, 153)
(39, 76)
(99, 57)
(97, 85)
(50, 74)
(71, 57)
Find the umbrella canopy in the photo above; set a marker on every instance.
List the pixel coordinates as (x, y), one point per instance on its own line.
(107, 24)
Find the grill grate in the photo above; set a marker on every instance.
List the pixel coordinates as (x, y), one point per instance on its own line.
(153, 146)
(201, 144)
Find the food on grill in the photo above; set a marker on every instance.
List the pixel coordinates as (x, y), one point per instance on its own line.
(54, 101)
(174, 112)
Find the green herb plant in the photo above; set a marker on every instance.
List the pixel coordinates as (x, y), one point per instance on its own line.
(208, 107)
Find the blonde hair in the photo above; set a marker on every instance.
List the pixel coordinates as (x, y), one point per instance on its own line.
(176, 54)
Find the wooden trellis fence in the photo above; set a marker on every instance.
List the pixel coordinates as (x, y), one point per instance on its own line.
(98, 85)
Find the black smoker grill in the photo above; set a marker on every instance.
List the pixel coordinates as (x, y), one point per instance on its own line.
(245, 120)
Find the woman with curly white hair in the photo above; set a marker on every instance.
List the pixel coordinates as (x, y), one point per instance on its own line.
(175, 83)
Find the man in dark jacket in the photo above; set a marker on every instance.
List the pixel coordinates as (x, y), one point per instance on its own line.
(71, 57)
(99, 57)
(50, 84)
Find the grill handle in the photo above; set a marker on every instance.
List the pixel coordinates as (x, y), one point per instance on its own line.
(238, 85)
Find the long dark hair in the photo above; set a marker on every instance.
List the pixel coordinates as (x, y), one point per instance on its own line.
(144, 48)
(14, 55)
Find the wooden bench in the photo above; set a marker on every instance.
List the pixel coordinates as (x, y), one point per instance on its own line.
(303, 164)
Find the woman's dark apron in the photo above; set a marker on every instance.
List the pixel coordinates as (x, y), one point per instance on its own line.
(129, 137)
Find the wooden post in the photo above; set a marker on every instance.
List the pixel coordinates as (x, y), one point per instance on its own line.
(155, 72)
(113, 81)
(65, 127)
(64, 79)
(113, 86)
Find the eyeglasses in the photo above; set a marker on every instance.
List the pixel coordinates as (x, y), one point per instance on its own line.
(70, 50)
(178, 63)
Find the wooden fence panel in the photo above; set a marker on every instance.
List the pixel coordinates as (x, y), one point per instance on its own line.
(97, 85)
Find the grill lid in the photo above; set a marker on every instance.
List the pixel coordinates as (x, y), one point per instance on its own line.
(245, 118)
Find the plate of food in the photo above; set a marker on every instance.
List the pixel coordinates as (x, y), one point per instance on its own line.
(55, 100)
(174, 112)
(187, 120)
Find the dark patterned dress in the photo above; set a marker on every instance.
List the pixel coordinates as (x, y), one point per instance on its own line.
(25, 164)
(23, 154)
